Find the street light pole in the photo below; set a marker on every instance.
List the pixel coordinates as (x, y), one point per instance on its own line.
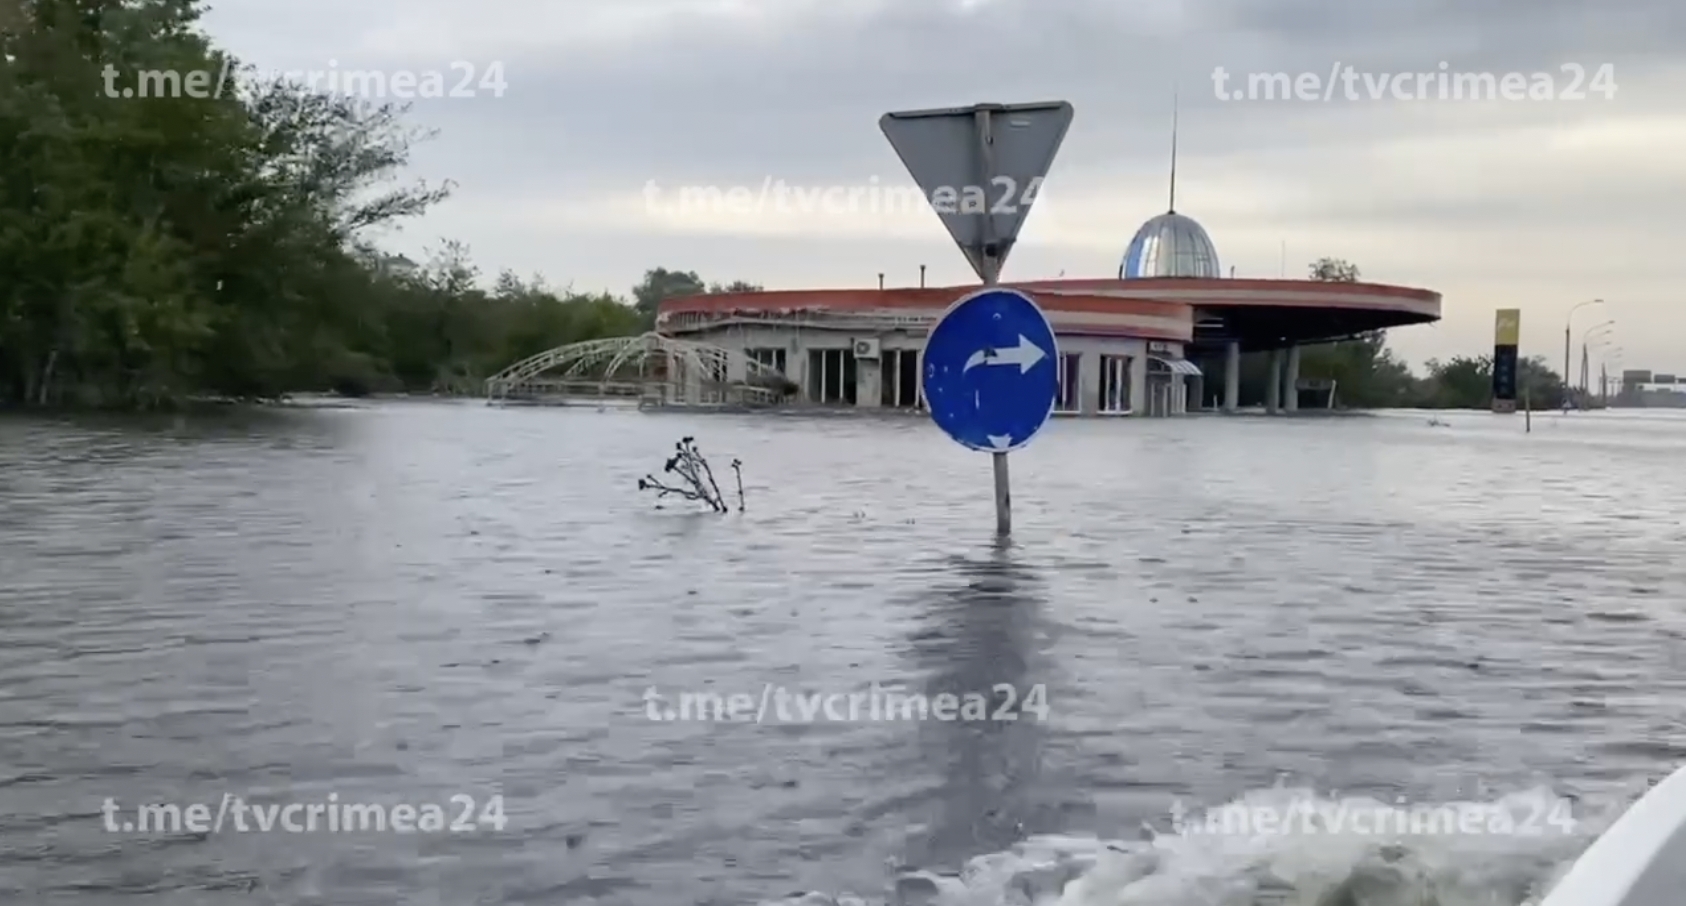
(1612, 383)
(1567, 344)
(1595, 332)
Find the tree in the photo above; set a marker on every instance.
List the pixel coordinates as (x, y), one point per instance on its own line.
(1334, 270)
(159, 249)
(1539, 386)
(168, 246)
(736, 286)
(1461, 382)
(1364, 370)
(660, 284)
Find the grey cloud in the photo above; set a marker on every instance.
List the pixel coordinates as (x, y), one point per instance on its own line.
(698, 100)
(1476, 216)
(703, 102)
(1489, 34)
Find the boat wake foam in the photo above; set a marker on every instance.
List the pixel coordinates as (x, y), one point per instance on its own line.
(1310, 863)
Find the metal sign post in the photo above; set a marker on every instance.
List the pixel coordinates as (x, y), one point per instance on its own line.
(991, 276)
(982, 167)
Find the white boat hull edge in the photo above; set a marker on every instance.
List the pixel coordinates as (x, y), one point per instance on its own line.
(1639, 861)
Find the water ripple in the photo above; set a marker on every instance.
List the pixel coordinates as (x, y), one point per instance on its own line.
(405, 603)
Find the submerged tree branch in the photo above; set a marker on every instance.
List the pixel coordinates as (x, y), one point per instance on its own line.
(696, 476)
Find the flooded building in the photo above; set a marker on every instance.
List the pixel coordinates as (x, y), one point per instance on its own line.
(1127, 345)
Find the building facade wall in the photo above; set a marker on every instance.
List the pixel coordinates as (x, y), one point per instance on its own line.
(1123, 359)
(1114, 327)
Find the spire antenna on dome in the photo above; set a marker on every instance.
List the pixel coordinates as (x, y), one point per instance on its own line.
(1173, 208)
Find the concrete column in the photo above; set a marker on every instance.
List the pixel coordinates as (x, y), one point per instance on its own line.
(919, 375)
(1232, 378)
(1138, 383)
(1291, 381)
(693, 367)
(1089, 383)
(1273, 386)
(737, 366)
(869, 389)
(796, 368)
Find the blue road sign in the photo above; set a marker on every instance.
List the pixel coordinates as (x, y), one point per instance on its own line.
(992, 370)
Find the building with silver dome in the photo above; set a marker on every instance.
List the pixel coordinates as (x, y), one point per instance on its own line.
(1131, 345)
(1170, 245)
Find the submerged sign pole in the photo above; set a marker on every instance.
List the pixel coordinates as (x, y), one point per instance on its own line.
(981, 168)
(991, 276)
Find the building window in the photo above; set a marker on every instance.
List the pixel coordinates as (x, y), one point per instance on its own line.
(831, 376)
(899, 379)
(1070, 389)
(769, 357)
(1115, 383)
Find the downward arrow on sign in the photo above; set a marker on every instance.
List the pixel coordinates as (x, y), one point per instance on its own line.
(1025, 355)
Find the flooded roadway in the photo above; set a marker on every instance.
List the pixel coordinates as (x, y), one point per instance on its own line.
(406, 603)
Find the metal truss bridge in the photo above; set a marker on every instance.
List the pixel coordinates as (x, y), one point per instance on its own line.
(650, 370)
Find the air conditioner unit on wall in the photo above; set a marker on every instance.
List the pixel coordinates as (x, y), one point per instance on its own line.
(867, 349)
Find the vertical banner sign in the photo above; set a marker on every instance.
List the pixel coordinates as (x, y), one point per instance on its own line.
(1507, 331)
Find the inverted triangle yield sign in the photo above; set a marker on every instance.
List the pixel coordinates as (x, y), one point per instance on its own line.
(980, 177)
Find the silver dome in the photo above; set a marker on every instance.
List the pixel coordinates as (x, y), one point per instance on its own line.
(1170, 245)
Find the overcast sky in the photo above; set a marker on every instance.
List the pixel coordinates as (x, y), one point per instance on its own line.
(1528, 204)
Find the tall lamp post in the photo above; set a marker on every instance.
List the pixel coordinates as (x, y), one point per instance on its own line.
(1611, 357)
(1567, 346)
(1597, 332)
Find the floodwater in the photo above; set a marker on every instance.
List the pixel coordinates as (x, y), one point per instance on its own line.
(428, 603)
